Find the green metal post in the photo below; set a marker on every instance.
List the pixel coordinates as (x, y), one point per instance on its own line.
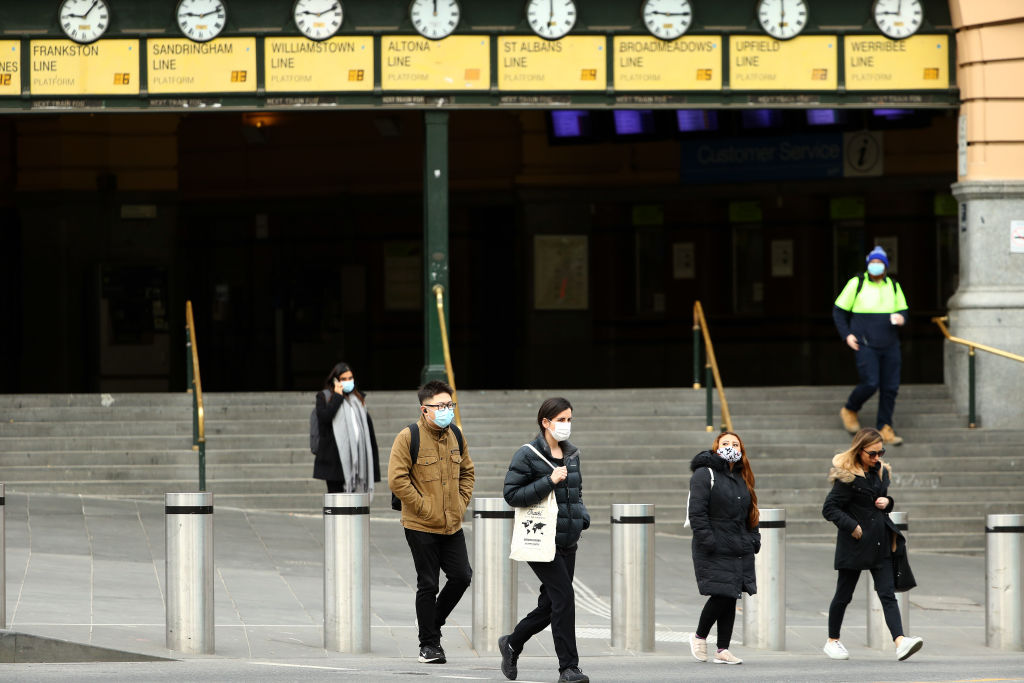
(971, 421)
(202, 465)
(192, 389)
(708, 381)
(435, 238)
(696, 357)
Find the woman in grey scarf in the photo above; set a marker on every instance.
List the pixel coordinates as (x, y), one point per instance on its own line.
(347, 458)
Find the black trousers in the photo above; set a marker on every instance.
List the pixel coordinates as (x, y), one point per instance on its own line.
(335, 486)
(431, 554)
(556, 605)
(723, 610)
(879, 369)
(884, 586)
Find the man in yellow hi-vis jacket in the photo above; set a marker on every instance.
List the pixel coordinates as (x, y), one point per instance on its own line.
(868, 314)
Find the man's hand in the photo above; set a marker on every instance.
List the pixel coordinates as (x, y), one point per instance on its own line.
(897, 319)
(851, 341)
(857, 533)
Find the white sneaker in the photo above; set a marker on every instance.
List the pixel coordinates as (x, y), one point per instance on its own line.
(835, 650)
(908, 646)
(698, 648)
(726, 657)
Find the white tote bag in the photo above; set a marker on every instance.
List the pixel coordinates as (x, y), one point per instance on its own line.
(533, 536)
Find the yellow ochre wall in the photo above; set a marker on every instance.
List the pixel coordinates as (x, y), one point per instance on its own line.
(990, 72)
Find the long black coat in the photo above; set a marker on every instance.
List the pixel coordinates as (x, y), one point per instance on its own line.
(723, 546)
(528, 482)
(850, 503)
(328, 463)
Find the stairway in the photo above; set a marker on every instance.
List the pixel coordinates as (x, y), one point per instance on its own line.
(636, 444)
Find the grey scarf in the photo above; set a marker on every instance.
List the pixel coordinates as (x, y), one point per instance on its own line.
(352, 435)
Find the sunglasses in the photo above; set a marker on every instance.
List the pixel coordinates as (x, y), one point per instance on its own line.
(876, 454)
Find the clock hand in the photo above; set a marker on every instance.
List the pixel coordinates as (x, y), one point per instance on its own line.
(551, 14)
(91, 8)
(669, 14)
(435, 8)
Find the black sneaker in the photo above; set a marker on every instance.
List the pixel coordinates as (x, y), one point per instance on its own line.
(509, 657)
(432, 654)
(573, 674)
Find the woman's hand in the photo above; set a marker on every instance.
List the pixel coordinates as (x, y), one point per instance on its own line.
(559, 474)
(881, 502)
(337, 388)
(857, 533)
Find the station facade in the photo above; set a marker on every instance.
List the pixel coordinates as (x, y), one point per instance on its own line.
(573, 195)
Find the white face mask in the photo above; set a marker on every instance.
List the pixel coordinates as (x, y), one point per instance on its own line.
(561, 430)
(730, 454)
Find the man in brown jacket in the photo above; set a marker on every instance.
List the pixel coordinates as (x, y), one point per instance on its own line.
(435, 492)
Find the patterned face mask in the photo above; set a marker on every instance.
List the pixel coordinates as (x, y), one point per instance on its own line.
(730, 454)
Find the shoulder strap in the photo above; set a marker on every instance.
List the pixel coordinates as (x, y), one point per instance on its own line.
(860, 286)
(530, 446)
(712, 473)
(458, 437)
(414, 441)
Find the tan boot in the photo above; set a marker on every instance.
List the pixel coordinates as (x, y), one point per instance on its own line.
(850, 421)
(889, 436)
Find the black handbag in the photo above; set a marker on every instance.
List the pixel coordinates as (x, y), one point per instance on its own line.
(903, 577)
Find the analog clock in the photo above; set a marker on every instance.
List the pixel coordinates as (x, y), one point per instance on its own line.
(667, 19)
(84, 21)
(782, 19)
(317, 19)
(898, 18)
(201, 20)
(434, 19)
(551, 19)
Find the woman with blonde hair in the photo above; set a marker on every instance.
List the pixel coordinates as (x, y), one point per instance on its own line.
(859, 506)
(722, 511)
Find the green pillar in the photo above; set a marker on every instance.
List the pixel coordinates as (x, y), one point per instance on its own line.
(435, 239)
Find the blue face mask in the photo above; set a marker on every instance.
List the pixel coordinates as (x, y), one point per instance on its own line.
(348, 385)
(876, 269)
(443, 417)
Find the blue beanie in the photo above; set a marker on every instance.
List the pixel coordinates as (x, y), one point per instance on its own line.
(878, 253)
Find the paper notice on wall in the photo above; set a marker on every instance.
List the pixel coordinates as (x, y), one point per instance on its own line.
(782, 258)
(684, 265)
(1017, 237)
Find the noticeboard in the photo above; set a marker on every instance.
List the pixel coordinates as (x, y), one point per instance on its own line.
(295, 64)
(179, 65)
(650, 64)
(10, 67)
(454, 63)
(803, 63)
(64, 67)
(915, 63)
(528, 63)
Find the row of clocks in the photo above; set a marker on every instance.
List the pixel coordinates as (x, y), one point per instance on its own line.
(201, 20)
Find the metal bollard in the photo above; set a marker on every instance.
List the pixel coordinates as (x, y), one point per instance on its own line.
(495, 594)
(764, 614)
(3, 561)
(347, 572)
(633, 576)
(189, 538)
(878, 633)
(1004, 581)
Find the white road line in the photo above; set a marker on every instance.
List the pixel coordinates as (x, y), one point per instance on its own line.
(302, 666)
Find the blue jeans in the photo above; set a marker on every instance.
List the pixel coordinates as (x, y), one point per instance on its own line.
(879, 370)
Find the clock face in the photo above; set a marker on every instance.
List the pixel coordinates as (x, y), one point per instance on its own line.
(434, 19)
(84, 20)
(551, 19)
(317, 19)
(667, 19)
(782, 19)
(898, 18)
(201, 20)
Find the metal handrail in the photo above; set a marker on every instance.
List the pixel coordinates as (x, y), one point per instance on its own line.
(971, 346)
(700, 325)
(439, 294)
(195, 387)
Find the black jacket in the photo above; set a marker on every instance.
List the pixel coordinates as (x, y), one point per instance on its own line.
(723, 546)
(850, 503)
(328, 464)
(528, 481)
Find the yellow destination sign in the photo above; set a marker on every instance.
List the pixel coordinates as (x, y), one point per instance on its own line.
(64, 67)
(689, 63)
(10, 67)
(178, 65)
(572, 63)
(302, 65)
(803, 63)
(915, 63)
(454, 63)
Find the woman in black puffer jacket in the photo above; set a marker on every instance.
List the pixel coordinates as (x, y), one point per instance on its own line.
(859, 505)
(722, 510)
(529, 480)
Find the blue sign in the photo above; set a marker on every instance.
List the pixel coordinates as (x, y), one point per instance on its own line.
(740, 160)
